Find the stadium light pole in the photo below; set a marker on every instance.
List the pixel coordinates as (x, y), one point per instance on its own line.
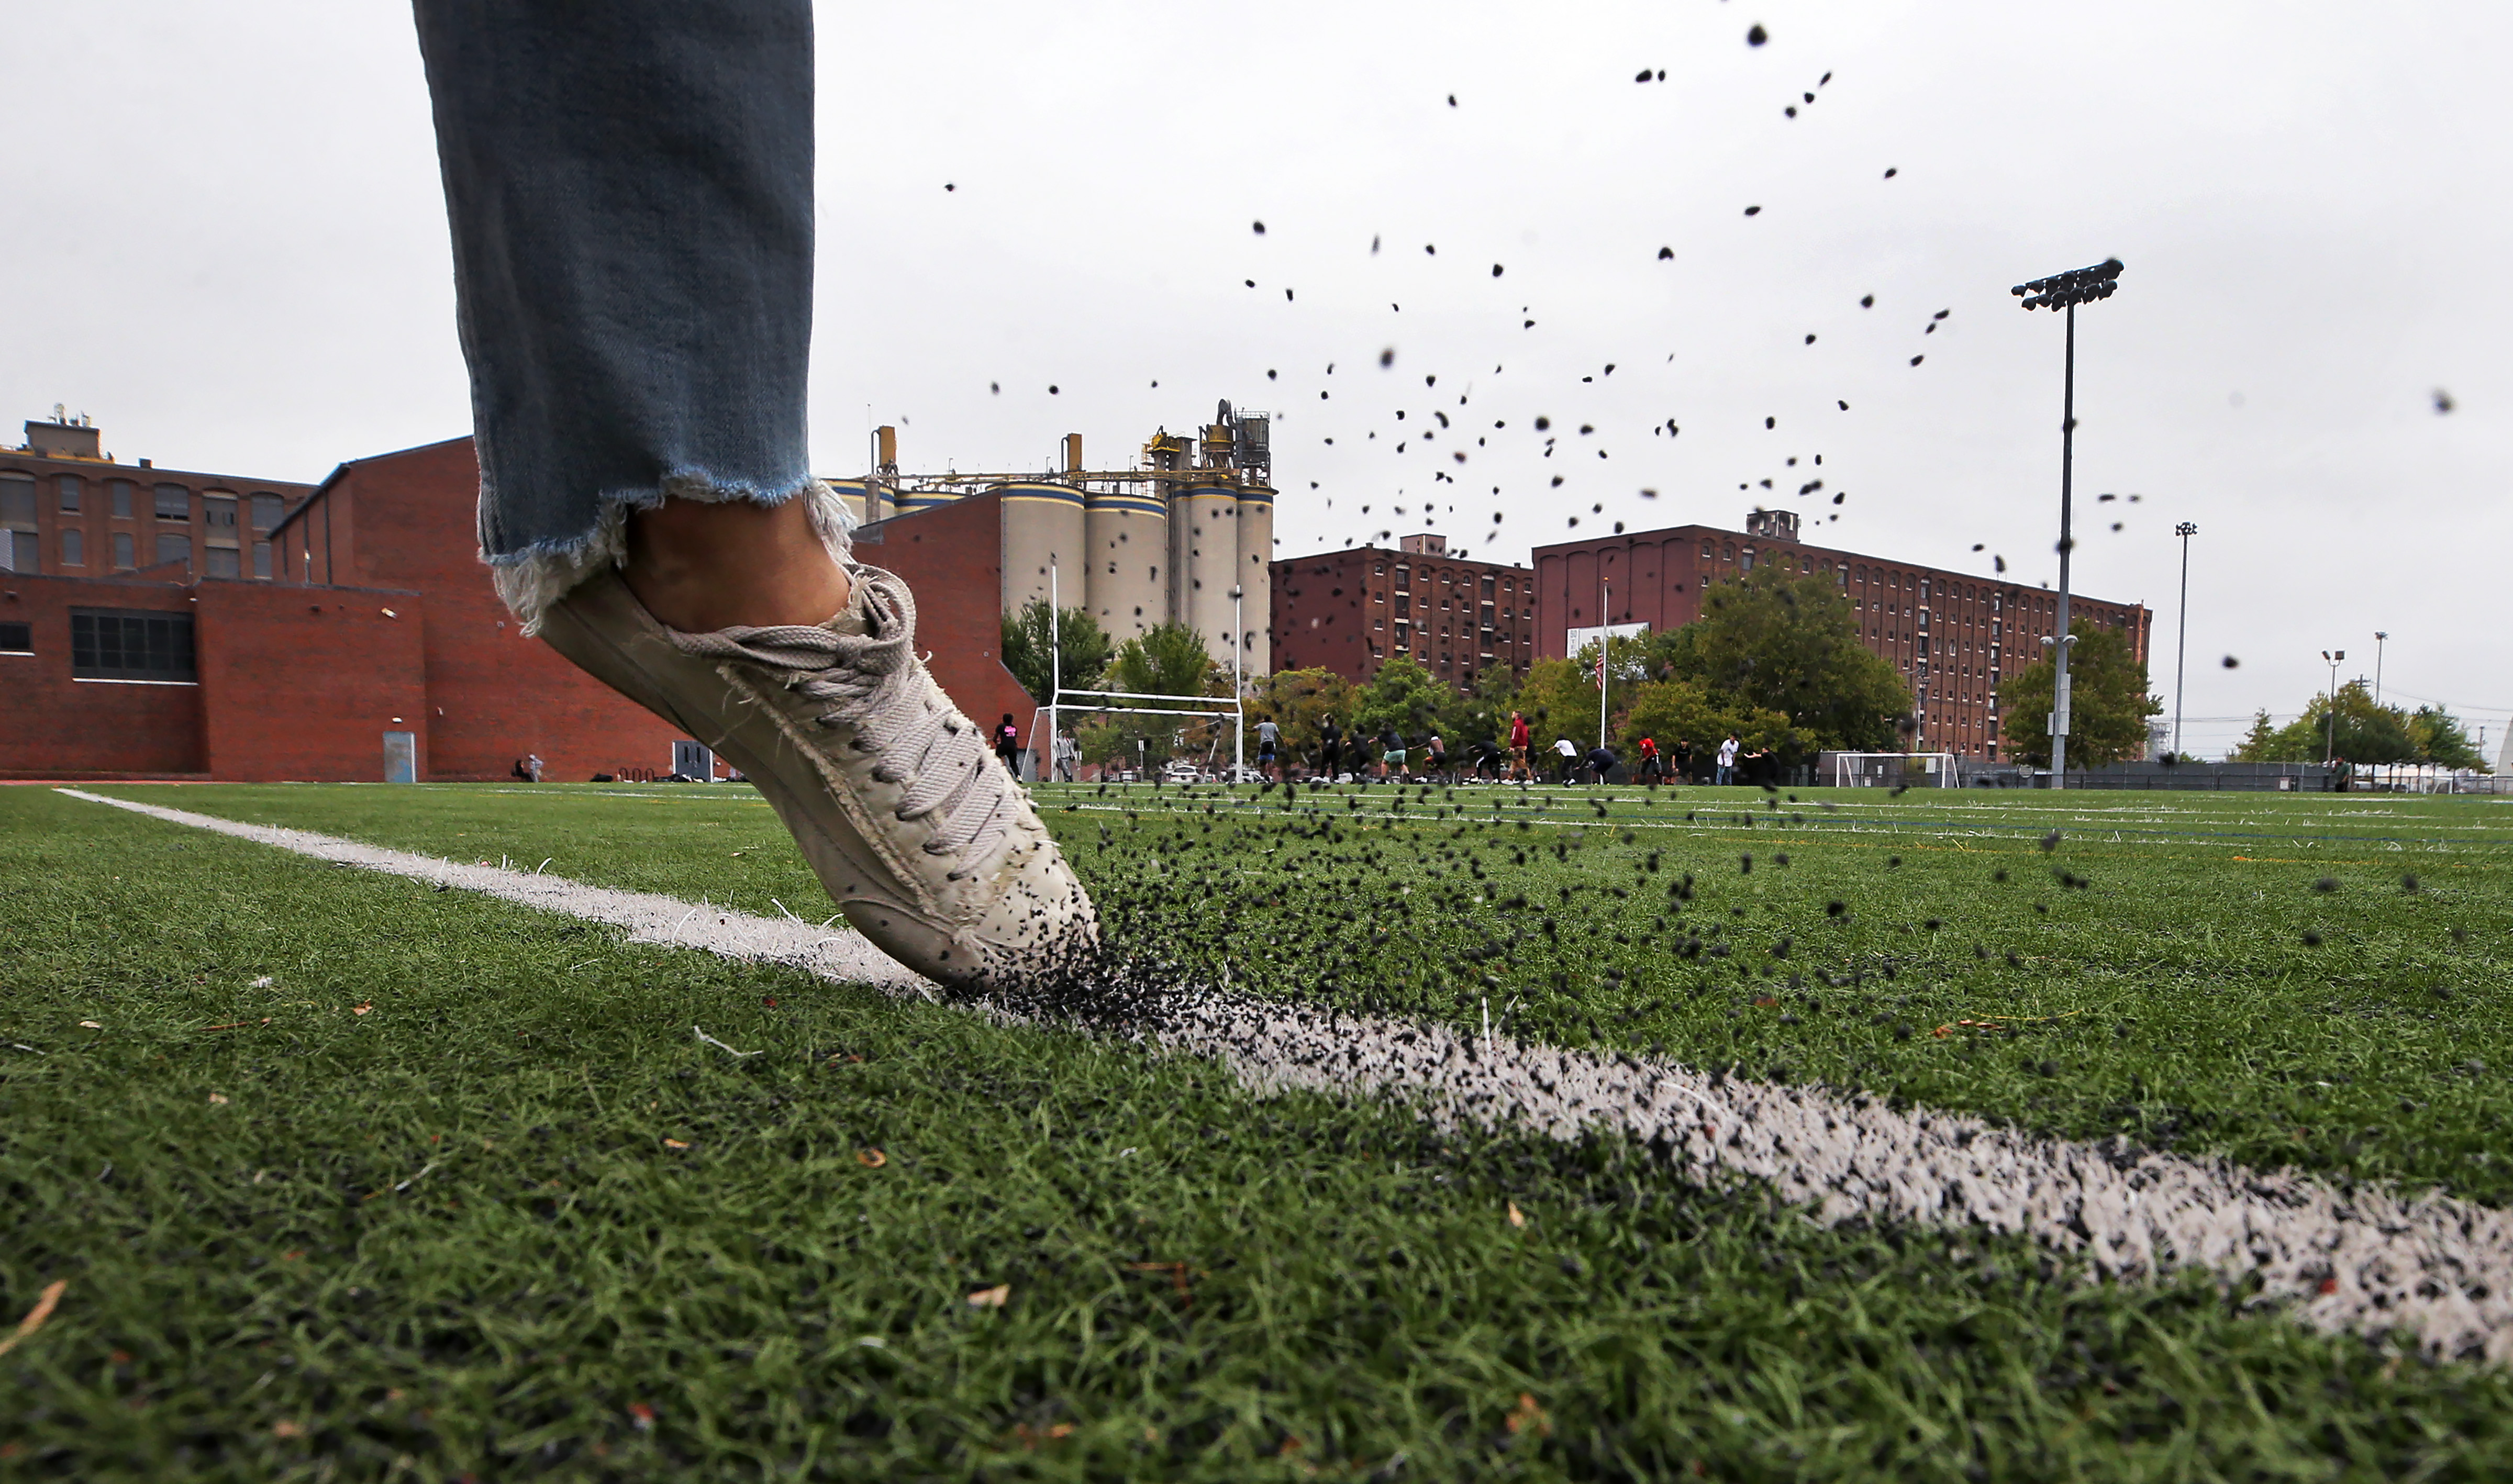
(2379, 639)
(2182, 661)
(2066, 291)
(2330, 747)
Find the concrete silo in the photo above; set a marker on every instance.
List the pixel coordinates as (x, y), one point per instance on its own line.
(1126, 530)
(1205, 526)
(1256, 580)
(1044, 523)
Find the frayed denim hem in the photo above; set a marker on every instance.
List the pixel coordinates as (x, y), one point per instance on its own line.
(531, 580)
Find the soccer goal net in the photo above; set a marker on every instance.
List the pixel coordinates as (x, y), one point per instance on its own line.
(1889, 770)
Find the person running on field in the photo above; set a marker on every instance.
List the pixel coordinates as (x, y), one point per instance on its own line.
(1437, 763)
(1728, 759)
(1329, 747)
(1484, 758)
(1601, 762)
(1068, 755)
(1519, 740)
(1268, 737)
(629, 189)
(1651, 769)
(1566, 755)
(1008, 745)
(1391, 753)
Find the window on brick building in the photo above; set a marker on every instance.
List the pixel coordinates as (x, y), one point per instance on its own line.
(266, 510)
(17, 499)
(261, 560)
(122, 551)
(223, 562)
(21, 551)
(111, 645)
(218, 513)
(68, 485)
(17, 638)
(118, 495)
(174, 548)
(173, 502)
(73, 548)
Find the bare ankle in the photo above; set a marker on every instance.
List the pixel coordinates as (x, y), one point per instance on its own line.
(699, 566)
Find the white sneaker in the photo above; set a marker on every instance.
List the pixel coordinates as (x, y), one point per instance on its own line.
(924, 841)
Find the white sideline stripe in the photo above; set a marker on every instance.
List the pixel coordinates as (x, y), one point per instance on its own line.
(2433, 1268)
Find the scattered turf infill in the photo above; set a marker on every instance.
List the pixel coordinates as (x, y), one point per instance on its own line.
(2306, 980)
(459, 1184)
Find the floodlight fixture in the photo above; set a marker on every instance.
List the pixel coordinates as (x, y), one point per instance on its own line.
(2077, 286)
(2066, 291)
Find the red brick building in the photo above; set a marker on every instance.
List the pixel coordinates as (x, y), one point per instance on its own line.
(1948, 633)
(348, 630)
(405, 521)
(952, 558)
(1348, 610)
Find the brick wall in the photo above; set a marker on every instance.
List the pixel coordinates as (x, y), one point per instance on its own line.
(301, 683)
(51, 726)
(951, 557)
(407, 520)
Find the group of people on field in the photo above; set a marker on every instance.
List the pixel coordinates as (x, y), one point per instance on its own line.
(1390, 754)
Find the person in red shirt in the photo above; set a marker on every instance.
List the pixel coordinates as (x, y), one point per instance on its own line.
(1652, 768)
(1518, 744)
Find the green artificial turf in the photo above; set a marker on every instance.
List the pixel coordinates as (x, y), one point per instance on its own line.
(2245, 975)
(442, 1224)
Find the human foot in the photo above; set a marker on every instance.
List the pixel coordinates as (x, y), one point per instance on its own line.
(932, 851)
(699, 566)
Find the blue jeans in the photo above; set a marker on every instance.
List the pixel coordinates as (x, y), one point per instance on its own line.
(1727, 773)
(629, 188)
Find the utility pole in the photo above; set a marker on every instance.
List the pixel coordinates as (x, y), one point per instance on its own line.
(1238, 692)
(2066, 291)
(2182, 661)
(2330, 746)
(2380, 638)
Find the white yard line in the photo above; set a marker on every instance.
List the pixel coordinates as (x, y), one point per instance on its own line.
(2436, 1268)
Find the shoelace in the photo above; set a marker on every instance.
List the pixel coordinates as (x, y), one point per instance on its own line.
(868, 681)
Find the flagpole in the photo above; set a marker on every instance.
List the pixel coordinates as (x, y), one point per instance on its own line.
(1604, 639)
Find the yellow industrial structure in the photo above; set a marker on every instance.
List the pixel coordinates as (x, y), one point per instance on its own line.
(1172, 539)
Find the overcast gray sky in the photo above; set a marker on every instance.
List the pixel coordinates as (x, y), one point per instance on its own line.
(227, 243)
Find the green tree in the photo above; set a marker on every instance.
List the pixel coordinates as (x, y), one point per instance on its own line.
(1481, 711)
(1026, 637)
(1166, 660)
(1559, 698)
(2107, 703)
(1297, 701)
(2256, 743)
(2442, 741)
(2351, 728)
(1402, 694)
(1775, 641)
(1679, 715)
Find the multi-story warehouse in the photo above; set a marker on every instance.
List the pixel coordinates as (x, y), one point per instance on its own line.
(70, 510)
(1348, 610)
(158, 624)
(1950, 633)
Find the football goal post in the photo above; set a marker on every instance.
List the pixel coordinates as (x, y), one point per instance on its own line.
(1889, 770)
(1061, 701)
